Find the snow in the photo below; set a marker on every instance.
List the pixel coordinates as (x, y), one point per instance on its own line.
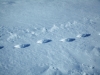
(49, 37)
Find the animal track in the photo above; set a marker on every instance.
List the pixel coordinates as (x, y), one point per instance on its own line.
(83, 35)
(68, 40)
(22, 46)
(44, 41)
(1, 47)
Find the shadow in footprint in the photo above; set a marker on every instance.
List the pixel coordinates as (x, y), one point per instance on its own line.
(24, 45)
(85, 35)
(1, 47)
(46, 40)
(70, 39)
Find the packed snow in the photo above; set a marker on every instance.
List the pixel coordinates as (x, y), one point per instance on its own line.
(49, 37)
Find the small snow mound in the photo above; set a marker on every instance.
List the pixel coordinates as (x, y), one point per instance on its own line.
(54, 28)
(44, 30)
(12, 36)
(63, 40)
(27, 30)
(39, 41)
(79, 36)
(17, 46)
(44, 41)
(68, 24)
(22, 46)
(33, 33)
(75, 22)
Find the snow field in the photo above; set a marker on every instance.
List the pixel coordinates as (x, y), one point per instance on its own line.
(49, 37)
(75, 67)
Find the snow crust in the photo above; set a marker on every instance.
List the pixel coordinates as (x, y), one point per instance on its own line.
(49, 37)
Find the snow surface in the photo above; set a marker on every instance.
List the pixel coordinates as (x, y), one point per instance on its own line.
(49, 37)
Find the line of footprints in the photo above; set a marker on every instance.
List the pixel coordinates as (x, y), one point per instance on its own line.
(49, 40)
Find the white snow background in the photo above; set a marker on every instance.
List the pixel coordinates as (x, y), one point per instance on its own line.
(49, 37)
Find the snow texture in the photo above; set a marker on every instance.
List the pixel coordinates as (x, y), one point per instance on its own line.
(49, 37)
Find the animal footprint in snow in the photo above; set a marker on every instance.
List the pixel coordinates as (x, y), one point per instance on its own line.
(68, 40)
(44, 41)
(22, 46)
(83, 35)
(1, 47)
